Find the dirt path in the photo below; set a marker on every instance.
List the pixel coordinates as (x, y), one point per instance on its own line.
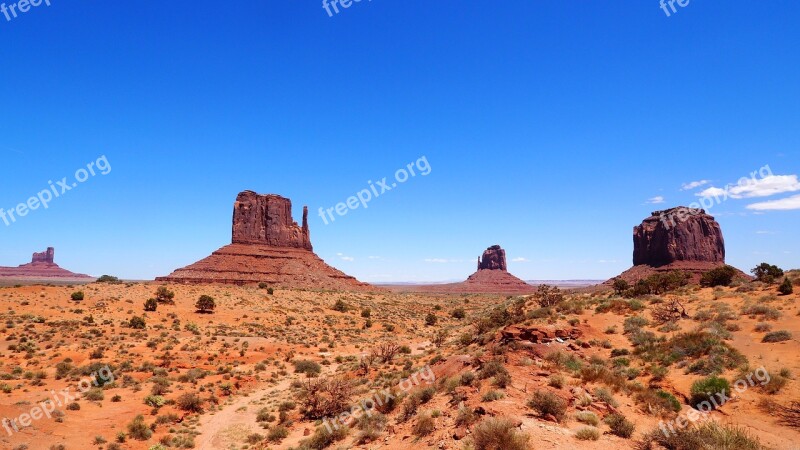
(236, 420)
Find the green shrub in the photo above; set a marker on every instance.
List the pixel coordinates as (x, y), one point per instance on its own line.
(138, 429)
(310, 368)
(205, 304)
(339, 306)
(137, 323)
(189, 402)
(620, 425)
(277, 434)
(322, 438)
(107, 279)
(458, 313)
(150, 305)
(155, 401)
(721, 276)
(707, 390)
(786, 287)
(767, 273)
(77, 296)
(94, 395)
(777, 336)
(164, 295)
(430, 319)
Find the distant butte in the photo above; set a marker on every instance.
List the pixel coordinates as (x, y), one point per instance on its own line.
(267, 246)
(42, 265)
(492, 277)
(679, 238)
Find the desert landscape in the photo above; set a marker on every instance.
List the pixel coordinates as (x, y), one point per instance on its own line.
(694, 354)
(399, 225)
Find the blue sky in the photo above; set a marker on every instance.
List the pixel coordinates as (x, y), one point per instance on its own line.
(548, 127)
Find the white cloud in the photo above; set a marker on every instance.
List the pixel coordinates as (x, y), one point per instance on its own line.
(694, 184)
(765, 232)
(442, 260)
(345, 258)
(752, 188)
(784, 204)
(608, 261)
(374, 257)
(656, 200)
(520, 260)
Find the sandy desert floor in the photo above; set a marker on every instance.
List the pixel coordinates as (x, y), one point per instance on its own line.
(263, 369)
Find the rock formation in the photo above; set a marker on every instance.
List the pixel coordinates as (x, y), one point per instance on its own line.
(42, 266)
(678, 234)
(676, 239)
(267, 246)
(267, 220)
(494, 258)
(492, 277)
(46, 257)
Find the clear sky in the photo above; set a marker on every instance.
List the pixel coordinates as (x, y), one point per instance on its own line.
(548, 127)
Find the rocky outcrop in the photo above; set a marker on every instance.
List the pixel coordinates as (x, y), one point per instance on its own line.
(267, 247)
(678, 234)
(42, 266)
(46, 257)
(492, 277)
(680, 238)
(267, 220)
(539, 334)
(494, 258)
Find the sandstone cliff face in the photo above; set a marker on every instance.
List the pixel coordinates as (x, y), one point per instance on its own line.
(269, 247)
(46, 257)
(267, 220)
(494, 258)
(676, 239)
(678, 234)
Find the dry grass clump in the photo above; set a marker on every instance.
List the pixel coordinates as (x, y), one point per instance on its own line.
(588, 434)
(499, 434)
(548, 404)
(709, 436)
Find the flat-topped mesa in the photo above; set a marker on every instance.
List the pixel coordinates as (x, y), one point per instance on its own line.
(267, 247)
(267, 220)
(676, 235)
(42, 266)
(45, 257)
(494, 258)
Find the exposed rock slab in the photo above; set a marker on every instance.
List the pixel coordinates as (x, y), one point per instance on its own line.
(269, 247)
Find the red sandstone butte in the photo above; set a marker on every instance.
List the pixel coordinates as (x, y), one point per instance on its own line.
(492, 277)
(267, 246)
(42, 266)
(676, 239)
